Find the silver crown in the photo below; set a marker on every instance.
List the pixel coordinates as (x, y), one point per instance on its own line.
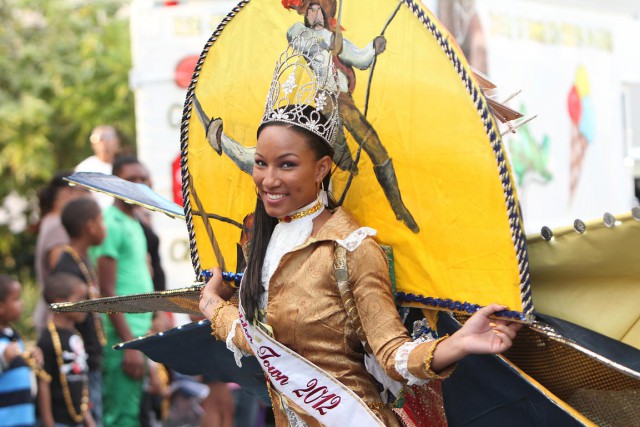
(305, 77)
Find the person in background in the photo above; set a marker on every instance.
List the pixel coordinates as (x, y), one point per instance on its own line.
(105, 143)
(82, 220)
(218, 406)
(156, 396)
(16, 408)
(52, 238)
(64, 400)
(122, 267)
(153, 241)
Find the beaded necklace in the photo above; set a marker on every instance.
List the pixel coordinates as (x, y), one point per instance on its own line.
(313, 209)
(89, 274)
(66, 392)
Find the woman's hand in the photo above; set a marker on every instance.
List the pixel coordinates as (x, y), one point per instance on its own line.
(482, 335)
(479, 335)
(213, 293)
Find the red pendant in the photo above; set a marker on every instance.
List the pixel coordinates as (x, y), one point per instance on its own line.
(287, 218)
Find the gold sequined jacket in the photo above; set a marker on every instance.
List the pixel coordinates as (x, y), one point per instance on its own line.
(307, 315)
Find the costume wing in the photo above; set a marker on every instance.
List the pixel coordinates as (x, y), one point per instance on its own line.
(130, 192)
(426, 167)
(200, 354)
(184, 300)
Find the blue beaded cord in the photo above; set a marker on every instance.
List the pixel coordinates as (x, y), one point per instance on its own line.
(449, 304)
(226, 276)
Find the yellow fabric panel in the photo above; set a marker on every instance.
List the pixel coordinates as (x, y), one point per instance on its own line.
(447, 170)
(632, 337)
(591, 279)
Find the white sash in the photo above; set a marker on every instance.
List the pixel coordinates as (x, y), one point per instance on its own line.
(308, 386)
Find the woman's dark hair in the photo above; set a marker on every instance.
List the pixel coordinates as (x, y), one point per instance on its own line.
(263, 226)
(47, 195)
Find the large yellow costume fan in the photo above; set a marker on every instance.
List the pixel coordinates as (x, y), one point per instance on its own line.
(426, 167)
(422, 163)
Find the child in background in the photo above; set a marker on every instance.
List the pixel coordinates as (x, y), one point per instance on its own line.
(16, 398)
(64, 401)
(82, 220)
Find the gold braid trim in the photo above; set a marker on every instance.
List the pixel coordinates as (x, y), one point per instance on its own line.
(426, 365)
(376, 405)
(341, 274)
(214, 317)
(84, 404)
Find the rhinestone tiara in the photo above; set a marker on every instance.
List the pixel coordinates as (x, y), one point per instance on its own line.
(304, 90)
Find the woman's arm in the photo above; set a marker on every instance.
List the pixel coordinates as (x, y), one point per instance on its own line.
(479, 335)
(368, 272)
(223, 316)
(384, 331)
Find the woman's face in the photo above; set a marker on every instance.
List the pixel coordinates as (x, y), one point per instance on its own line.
(286, 171)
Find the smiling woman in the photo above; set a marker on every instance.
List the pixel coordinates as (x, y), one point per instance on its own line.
(293, 311)
(290, 165)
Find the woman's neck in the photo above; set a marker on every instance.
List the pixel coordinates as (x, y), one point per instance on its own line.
(319, 221)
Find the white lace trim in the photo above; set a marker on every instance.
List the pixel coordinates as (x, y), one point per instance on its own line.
(354, 239)
(402, 359)
(286, 237)
(373, 367)
(237, 351)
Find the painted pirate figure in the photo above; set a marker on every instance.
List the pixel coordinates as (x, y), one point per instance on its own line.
(346, 56)
(316, 26)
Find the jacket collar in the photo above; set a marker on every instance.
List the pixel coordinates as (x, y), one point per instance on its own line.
(339, 226)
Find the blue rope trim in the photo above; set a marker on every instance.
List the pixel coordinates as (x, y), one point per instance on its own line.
(226, 276)
(513, 210)
(449, 304)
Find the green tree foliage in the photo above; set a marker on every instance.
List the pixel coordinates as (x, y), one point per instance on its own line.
(63, 70)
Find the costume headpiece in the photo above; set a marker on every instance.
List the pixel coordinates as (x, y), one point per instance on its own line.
(304, 90)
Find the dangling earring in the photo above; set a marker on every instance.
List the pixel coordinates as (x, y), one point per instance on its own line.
(257, 192)
(322, 197)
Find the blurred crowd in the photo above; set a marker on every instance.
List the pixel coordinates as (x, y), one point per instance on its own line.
(91, 245)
